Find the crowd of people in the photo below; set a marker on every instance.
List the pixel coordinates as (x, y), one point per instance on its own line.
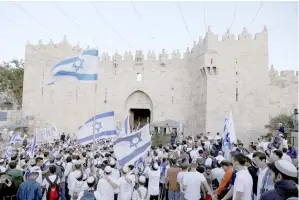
(185, 169)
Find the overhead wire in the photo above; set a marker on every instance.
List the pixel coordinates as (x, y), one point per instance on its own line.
(102, 16)
(25, 11)
(183, 18)
(140, 18)
(65, 15)
(256, 14)
(234, 16)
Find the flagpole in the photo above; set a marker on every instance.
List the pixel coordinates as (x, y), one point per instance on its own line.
(94, 116)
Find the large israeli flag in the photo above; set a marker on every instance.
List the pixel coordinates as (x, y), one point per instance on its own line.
(229, 135)
(104, 128)
(83, 68)
(130, 148)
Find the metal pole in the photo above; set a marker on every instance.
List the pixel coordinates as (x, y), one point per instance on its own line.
(94, 116)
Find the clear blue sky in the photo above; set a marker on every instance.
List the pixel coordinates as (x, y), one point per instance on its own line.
(162, 26)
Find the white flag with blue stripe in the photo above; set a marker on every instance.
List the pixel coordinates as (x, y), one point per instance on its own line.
(83, 68)
(31, 151)
(104, 128)
(16, 138)
(125, 129)
(229, 135)
(130, 148)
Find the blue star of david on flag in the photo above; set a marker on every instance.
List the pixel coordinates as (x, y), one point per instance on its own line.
(135, 141)
(78, 64)
(98, 126)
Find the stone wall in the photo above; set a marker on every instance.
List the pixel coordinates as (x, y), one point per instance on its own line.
(197, 88)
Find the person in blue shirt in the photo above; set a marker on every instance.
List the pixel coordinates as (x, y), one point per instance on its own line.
(30, 189)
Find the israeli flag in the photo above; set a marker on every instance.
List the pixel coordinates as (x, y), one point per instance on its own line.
(31, 151)
(16, 138)
(83, 68)
(104, 128)
(229, 135)
(130, 148)
(125, 129)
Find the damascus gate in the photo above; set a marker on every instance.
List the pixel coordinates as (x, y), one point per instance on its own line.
(196, 87)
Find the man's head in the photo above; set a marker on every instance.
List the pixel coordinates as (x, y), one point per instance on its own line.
(259, 159)
(52, 169)
(39, 161)
(282, 170)
(225, 164)
(239, 161)
(240, 145)
(12, 165)
(208, 170)
(276, 155)
(217, 133)
(220, 153)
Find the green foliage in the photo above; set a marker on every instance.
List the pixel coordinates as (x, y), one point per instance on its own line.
(11, 76)
(286, 120)
(158, 138)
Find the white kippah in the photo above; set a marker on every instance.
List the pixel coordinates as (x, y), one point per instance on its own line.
(125, 169)
(142, 179)
(91, 179)
(108, 169)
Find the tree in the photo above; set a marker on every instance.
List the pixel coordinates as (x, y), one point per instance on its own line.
(11, 76)
(285, 119)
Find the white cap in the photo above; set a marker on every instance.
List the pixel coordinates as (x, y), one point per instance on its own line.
(142, 179)
(125, 169)
(91, 179)
(108, 169)
(1, 160)
(286, 168)
(112, 162)
(78, 174)
(155, 166)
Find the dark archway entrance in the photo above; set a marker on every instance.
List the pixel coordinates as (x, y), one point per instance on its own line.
(139, 117)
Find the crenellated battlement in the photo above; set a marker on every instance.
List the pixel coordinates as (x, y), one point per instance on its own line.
(282, 74)
(198, 47)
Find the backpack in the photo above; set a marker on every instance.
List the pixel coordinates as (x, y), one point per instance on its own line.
(214, 163)
(61, 171)
(88, 195)
(53, 190)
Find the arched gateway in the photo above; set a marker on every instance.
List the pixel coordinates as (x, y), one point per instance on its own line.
(140, 107)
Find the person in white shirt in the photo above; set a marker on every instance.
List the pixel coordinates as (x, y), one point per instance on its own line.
(72, 177)
(115, 175)
(107, 184)
(264, 181)
(141, 193)
(153, 181)
(191, 184)
(194, 153)
(217, 137)
(285, 156)
(3, 168)
(90, 193)
(218, 172)
(126, 184)
(36, 168)
(209, 136)
(243, 182)
(180, 177)
(52, 178)
(220, 156)
(79, 185)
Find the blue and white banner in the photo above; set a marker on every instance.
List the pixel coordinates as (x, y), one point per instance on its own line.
(104, 128)
(125, 128)
(32, 149)
(229, 135)
(16, 138)
(130, 148)
(83, 68)
(49, 133)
